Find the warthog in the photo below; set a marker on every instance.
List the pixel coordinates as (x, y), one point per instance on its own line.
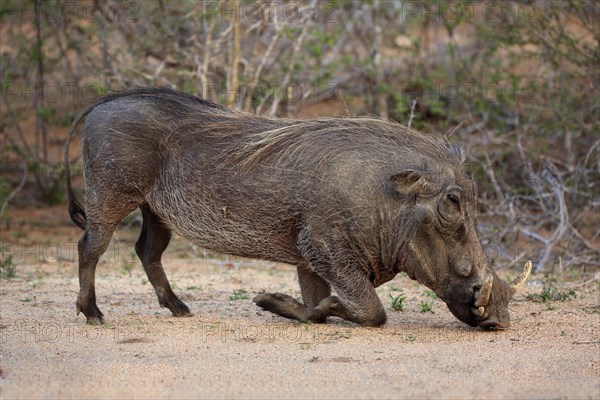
(350, 201)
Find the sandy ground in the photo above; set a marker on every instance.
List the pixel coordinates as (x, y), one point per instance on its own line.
(231, 349)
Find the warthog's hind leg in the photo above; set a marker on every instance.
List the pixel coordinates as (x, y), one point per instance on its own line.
(153, 241)
(103, 216)
(92, 244)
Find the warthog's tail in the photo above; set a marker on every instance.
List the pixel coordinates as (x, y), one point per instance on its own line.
(76, 211)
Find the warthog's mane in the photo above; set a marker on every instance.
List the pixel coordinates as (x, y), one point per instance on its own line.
(254, 139)
(323, 138)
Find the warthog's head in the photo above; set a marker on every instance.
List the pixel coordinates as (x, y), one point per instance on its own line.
(445, 254)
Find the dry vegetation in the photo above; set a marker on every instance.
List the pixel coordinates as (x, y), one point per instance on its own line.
(516, 84)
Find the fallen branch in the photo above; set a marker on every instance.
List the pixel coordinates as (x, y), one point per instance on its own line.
(578, 284)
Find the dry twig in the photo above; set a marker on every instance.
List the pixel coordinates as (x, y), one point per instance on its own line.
(412, 112)
(297, 45)
(14, 192)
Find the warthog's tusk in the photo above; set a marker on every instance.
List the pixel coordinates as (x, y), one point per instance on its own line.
(478, 311)
(483, 297)
(520, 280)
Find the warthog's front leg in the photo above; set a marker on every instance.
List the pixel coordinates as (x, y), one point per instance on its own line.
(288, 307)
(357, 302)
(314, 289)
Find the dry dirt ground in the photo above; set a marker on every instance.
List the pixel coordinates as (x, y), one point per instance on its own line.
(231, 349)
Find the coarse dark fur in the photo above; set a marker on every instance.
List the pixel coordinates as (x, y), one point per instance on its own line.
(350, 201)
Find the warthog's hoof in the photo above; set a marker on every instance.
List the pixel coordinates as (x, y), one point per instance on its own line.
(92, 314)
(182, 313)
(281, 304)
(95, 321)
(270, 300)
(179, 309)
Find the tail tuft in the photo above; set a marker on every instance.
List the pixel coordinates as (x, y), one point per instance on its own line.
(76, 212)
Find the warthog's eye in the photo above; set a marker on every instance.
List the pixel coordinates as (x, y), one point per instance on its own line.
(454, 199)
(449, 209)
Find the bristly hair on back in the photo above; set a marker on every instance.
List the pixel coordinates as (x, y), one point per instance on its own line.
(324, 137)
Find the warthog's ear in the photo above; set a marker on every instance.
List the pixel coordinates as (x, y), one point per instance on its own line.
(412, 181)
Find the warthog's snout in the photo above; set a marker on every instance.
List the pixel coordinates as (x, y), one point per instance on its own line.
(491, 302)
